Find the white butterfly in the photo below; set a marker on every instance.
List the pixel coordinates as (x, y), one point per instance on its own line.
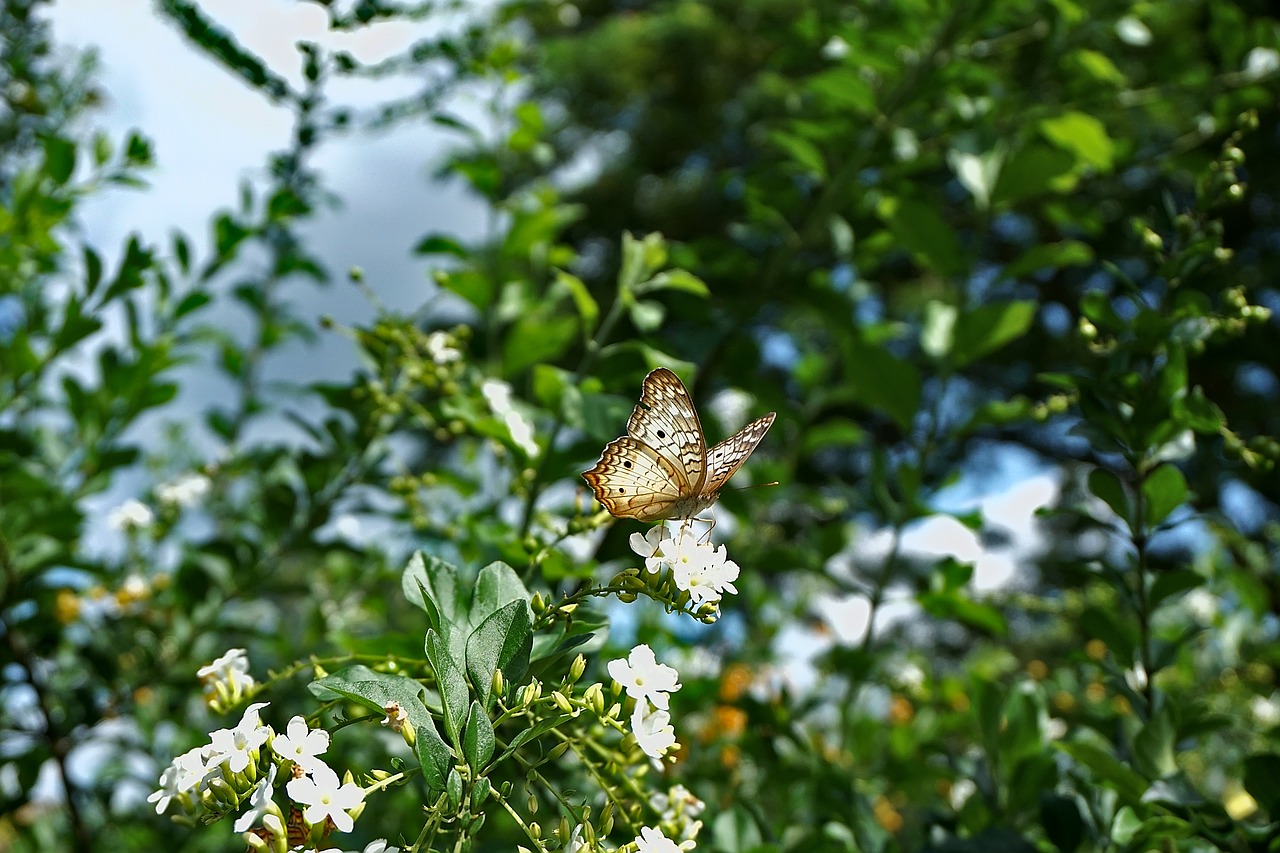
(661, 468)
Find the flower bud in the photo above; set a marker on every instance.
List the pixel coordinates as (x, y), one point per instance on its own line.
(562, 701)
(498, 685)
(577, 668)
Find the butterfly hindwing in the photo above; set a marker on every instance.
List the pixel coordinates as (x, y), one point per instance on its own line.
(633, 480)
(667, 421)
(727, 457)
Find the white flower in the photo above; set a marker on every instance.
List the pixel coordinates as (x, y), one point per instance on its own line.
(652, 840)
(835, 48)
(961, 791)
(380, 846)
(439, 347)
(649, 545)
(183, 774)
(1136, 678)
(498, 395)
(325, 798)
(133, 514)
(239, 746)
(645, 678)
(653, 730)
(396, 716)
(1266, 711)
(706, 574)
(1261, 62)
(300, 744)
(676, 802)
(1133, 32)
(185, 491)
(575, 843)
(259, 801)
(233, 661)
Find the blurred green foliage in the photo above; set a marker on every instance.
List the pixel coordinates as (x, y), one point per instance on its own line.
(933, 237)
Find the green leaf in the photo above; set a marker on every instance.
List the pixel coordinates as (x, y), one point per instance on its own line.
(536, 338)
(681, 280)
(1153, 747)
(1126, 783)
(803, 152)
(536, 731)
(1034, 170)
(1165, 489)
(882, 381)
(1050, 256)
(432, 584)
(1262, 780)
(452, 686)
(920, 229)
(1062, 822)
(1172, 583)
(478, 740)
(59, 158)
(496, 586)
(588, 310)
(470, 285)
(440, 244)
(988, 328)
(1107, 487)
(374, 690)
(1084, 136)
(647, 315)
(502, 642)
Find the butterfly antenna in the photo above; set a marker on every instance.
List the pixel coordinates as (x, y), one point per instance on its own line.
(754, 486)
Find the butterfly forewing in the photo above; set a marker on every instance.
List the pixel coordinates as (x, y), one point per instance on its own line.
(667, 421)
(633, 481)
(727, 457)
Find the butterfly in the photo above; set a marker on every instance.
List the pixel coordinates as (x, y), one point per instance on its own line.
(661, 468)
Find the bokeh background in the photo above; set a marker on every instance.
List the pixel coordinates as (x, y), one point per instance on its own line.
(1006, 271)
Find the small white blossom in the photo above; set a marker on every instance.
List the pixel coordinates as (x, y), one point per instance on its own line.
(1133, 32)
(649, 545)
(835, 48)
(259, 801)
(961, 791)
(184, 773)
(440, 348)
(379, 846)
(396, 716)
(652, 840)
(1266, 711)
(133, 514)
(653, 730)
(325, 798)
(233, 661)
(644, 678)
(300, 744)
(575, 843)
(185, 491)
(1261, 62)
(239, 746)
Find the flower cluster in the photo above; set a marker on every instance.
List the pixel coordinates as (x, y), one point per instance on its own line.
(227, 680)
(648, 683)
(697, 568)
(238, 769)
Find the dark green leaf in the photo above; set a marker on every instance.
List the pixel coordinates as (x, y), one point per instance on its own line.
(986, 329)
(452, 685)
(1107, 488)
(1262, 780)
(884, 382)
(478, 740)
(502, 642)
(1165, 489)
(1107, 770)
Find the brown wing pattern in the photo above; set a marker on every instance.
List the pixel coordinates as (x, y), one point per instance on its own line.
(633, 481)
(727, 457)
(667, 421)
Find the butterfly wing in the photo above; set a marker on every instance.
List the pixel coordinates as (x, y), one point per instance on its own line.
(727, 457)
(666, 421)
(633, 480)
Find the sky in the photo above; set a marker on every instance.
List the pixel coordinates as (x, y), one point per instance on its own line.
(210, 132)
